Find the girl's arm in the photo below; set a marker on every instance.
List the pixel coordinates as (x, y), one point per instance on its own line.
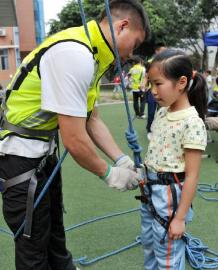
(192, 168)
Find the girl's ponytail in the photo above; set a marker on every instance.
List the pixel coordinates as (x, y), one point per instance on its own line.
(198, 94)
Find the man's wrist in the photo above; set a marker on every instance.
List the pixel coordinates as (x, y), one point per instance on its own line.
(103, 177)
(119, 158)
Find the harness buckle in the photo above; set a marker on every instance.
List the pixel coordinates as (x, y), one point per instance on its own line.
(143, 198)
(142, 171)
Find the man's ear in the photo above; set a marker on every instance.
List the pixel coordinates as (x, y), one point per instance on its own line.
(122, 24)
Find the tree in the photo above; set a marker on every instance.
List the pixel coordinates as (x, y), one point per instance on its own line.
(70, 16)
(178, 23)
(200, 18)
(184, 24)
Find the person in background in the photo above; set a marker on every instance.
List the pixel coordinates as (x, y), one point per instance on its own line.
(117, 84)
(137, 86)
(56, 86)
(209, 81)
(152, 104)
(173, 158)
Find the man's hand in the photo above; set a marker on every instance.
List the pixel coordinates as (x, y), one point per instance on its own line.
(121, 178)
(125, 161)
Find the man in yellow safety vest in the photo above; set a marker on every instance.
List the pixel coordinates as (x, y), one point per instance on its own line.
(56, 86)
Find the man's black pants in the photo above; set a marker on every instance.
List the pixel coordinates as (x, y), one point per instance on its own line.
(139, 100)
(46, 249)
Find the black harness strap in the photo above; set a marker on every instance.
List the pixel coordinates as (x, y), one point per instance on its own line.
(30, 132)
(167, 178)
(29, 206)
(5, 184)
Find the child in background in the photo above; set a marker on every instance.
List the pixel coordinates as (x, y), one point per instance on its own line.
(117, 82)
(173, 158)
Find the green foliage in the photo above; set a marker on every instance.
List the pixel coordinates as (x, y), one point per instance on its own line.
(93, 9)
(182, 23)
(178, 23)
(69, 16)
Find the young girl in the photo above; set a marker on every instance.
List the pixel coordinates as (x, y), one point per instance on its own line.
(173, 158)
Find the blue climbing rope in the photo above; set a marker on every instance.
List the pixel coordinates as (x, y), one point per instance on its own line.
(82, 14)
(131, 135)
(100, 218)
(197, 254)
(203, 187)
(85, 262)
(5, 231)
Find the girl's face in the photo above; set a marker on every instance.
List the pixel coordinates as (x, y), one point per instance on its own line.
(165, 91)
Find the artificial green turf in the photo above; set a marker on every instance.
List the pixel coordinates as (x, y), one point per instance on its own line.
(86, 197)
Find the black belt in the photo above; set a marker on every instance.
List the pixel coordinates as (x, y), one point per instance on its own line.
(167, 178)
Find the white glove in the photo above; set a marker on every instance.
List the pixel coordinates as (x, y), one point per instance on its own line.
(125, 161)
(121, 178)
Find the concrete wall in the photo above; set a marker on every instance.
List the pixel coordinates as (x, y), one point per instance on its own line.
(7, 42)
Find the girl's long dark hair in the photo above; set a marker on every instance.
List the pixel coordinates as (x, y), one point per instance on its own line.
(174, 64)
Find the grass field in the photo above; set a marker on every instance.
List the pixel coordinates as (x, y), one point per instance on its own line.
(87, 197)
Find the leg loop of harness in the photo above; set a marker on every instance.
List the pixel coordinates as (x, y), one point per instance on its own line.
(29, 206)
(163, 179)
(5, 184)
(32, 176)
(175, 206)
(31, 194)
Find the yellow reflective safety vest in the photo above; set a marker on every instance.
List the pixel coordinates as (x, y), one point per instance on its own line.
(137, 73)
(22, 108)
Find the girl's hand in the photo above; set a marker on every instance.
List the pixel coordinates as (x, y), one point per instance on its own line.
(176, 228)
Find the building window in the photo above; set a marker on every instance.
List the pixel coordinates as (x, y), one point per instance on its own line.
(4, 59)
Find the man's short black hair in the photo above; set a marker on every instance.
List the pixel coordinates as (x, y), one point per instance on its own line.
(135, 8)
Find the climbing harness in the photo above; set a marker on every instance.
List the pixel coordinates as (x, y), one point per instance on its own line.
(30, 175)
(44, 190)
(166, 178)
